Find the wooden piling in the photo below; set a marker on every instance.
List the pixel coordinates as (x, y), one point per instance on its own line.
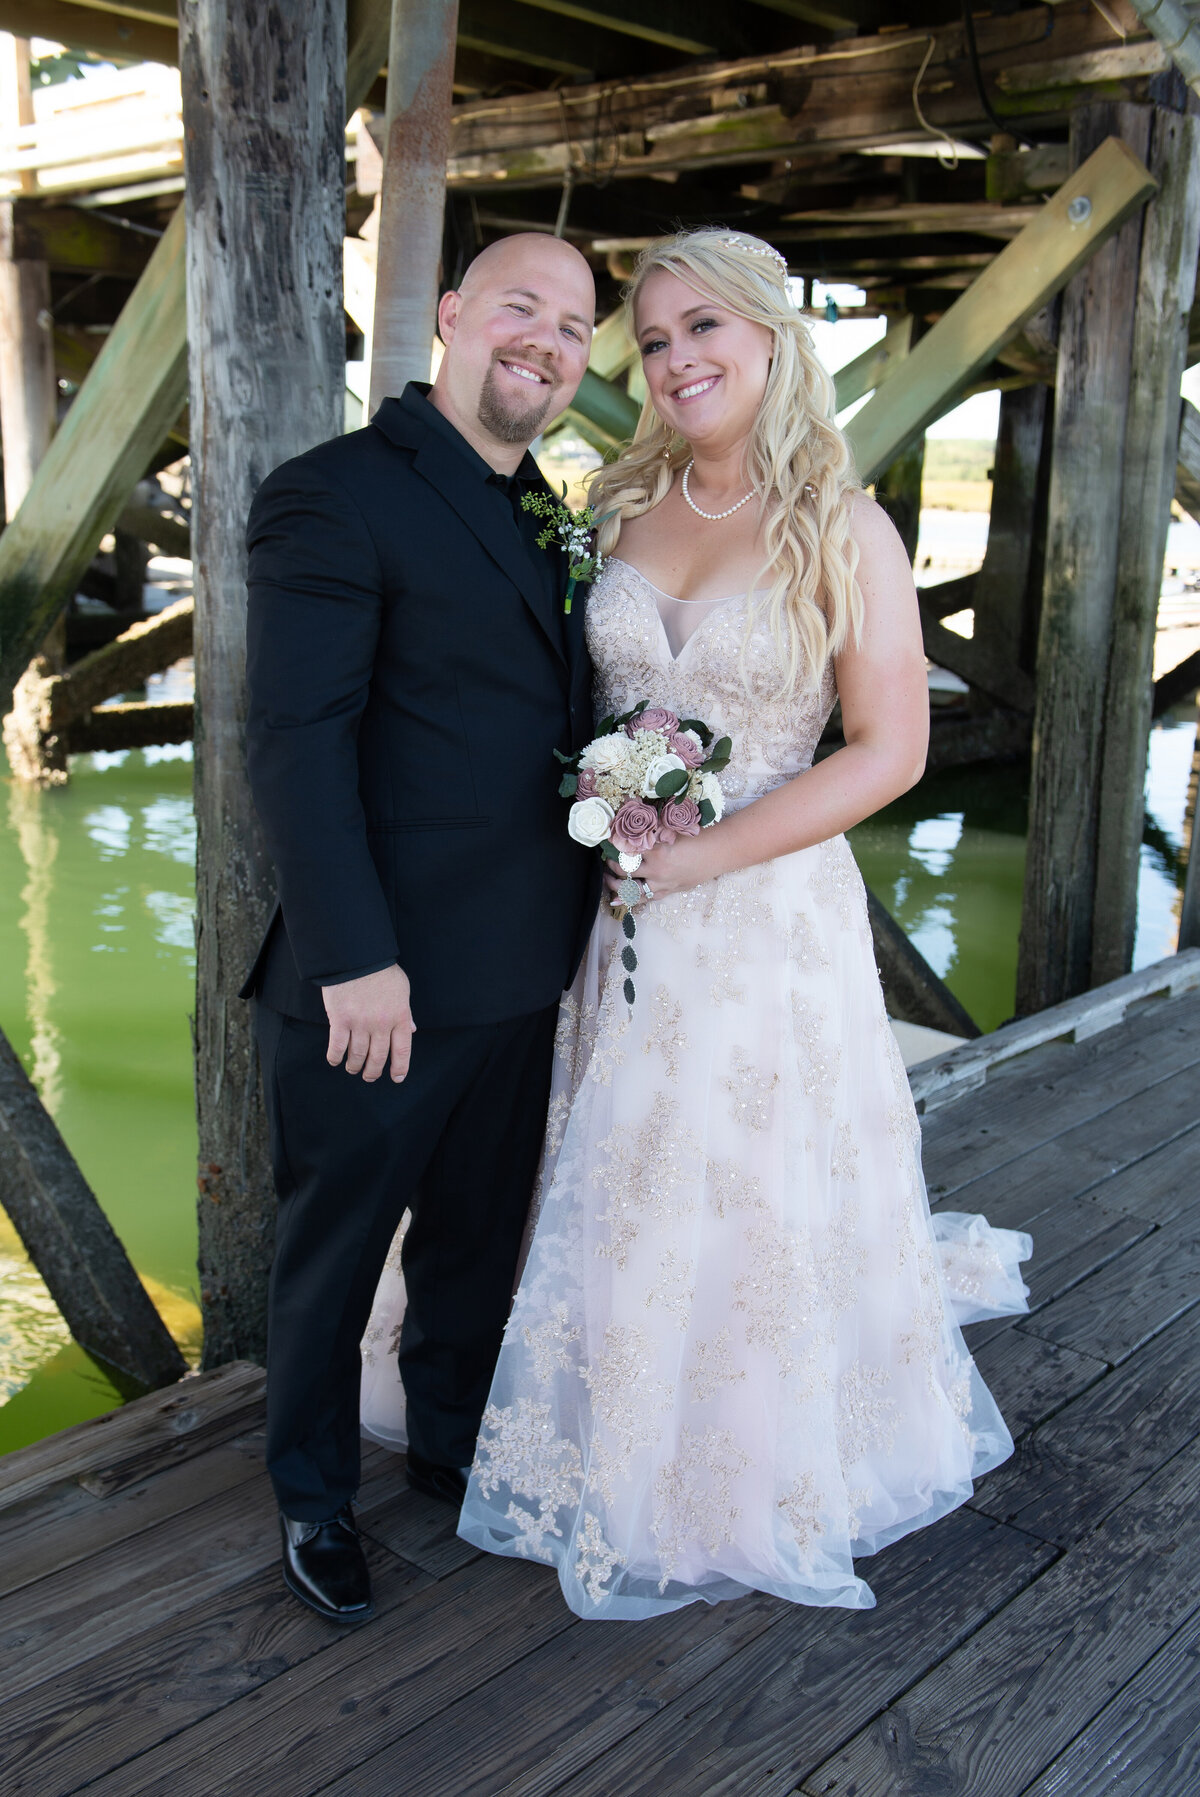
(413, 198)
(71, 1242)
(1165, 290)
(264, 115)
(1084, 506)
(1189, 916)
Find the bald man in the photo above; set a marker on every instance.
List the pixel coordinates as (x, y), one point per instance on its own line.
(411, 673)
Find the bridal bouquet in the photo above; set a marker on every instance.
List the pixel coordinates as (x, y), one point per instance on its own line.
(648, 777)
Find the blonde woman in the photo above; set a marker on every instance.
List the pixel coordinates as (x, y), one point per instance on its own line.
(734, 1360)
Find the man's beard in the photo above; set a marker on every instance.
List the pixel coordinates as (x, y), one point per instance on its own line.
(506, 422)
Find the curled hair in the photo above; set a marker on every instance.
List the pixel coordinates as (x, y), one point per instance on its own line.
(797, 460)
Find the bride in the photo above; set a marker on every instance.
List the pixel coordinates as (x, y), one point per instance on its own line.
(734, 1360)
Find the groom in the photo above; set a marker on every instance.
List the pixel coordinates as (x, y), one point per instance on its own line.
(411, 672)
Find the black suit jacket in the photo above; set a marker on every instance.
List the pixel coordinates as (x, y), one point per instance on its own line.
(410, 674)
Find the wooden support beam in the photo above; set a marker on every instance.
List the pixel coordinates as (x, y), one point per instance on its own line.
(876, 365)
(1176, 684)
(131, 726)
(264, 114)
(1165, 290)
(1091, 408)
(120, 416)
(1189, 915)
(898, 490)
(38, 731)
(693, 27)
(1187, 468)
(1007, 598)
(28, 390)
(79, 240)
(82, 27)
(1110, 186)
(994, 676)
(912, 991)
(71, 1242)
(412, 202)
(799, 103)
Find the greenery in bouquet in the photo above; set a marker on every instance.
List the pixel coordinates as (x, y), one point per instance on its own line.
(647, 777)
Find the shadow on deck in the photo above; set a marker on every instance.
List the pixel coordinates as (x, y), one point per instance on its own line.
(1042, 1642)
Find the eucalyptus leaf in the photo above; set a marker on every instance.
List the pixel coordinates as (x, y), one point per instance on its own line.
(608, 851)
(671, 783)
(708, 813)
(723, 746)
(568, 786)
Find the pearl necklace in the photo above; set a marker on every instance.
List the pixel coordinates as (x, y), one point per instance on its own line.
(712, 516)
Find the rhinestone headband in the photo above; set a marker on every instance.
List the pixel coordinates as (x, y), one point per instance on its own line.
(755, 249)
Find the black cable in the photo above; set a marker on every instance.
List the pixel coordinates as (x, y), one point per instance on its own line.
(1002, 125)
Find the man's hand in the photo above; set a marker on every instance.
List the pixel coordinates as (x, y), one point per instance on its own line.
(370, 1023)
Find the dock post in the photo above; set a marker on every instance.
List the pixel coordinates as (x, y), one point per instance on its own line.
(1189, 916)
(413, 198)
(27, 384)
(1166, 287)
(264, 117)
(1091, 406)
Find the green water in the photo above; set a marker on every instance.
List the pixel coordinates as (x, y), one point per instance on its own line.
(96, 971)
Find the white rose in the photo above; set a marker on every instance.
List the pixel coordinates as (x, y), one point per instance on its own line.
(710, 789)
(608, 754)
(588, 821)
(662, 764)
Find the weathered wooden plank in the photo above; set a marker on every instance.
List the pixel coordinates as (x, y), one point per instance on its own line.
(1146, 1742)
(1165, 290)
(1031, 1379)
(1026, 1106)
(1115, 1311)
(1017, 283)
(977, 663)
(1078, 1466)
(80, 240)
(1072, 1241)
(366, 1690)
(876, 365)
(1177, 684)
(419, 1529)
(1137, 1134)
(121, 414)
(1187, 466)
(757, 1722)
(65, 1525)
(72, 1243)
(98, 1716)
(108, 33)
(27, 385)
(167, 1427)
(964, 1069)
(131, 726)
(998, 1710)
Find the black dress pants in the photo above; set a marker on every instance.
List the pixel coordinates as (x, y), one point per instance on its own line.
(457, 1143)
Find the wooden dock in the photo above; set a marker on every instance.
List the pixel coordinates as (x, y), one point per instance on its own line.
(1042, 1642)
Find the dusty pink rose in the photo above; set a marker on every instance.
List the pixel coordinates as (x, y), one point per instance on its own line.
(635, 827)
(655, 717)
(587, 783)
(680, 817)
(688, 750)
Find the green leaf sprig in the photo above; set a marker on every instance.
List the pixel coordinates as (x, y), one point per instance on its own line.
(575, 534)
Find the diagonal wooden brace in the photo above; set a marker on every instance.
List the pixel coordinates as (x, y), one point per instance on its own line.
(1065, 232)
(72, 1243)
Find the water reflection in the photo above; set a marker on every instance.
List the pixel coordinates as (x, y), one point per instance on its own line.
(38, 843)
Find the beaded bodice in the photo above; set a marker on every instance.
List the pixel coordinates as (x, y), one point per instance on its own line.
(773, 739)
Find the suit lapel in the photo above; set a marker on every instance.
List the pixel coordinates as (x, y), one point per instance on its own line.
(487, 514)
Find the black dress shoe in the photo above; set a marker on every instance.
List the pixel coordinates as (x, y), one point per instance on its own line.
(325, 1567)
(446, 1482)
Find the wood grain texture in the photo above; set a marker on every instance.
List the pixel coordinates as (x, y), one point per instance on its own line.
(1091, 406)
(1166, 287)
(993, 1714)
(264, 115)
(760, 1723)
(1127, 1304)
(1058, 1486)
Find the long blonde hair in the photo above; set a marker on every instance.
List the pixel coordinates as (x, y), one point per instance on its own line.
(797, 460)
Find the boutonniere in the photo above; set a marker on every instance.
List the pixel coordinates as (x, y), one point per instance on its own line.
(575, 534)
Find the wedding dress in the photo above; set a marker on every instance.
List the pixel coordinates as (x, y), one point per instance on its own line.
(734, 1360)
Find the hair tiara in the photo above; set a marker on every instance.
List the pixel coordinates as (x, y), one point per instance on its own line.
(753, 247)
